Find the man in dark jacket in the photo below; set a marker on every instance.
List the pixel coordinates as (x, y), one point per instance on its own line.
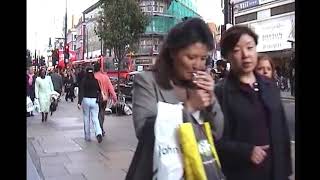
(57, 81)
(222, 69)
(80, 75)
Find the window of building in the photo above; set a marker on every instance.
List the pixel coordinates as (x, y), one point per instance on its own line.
(246, 18)
(74, 47)
(160, 8)
(156, 48)
(149, 7)
(283, 9)
(155, 8)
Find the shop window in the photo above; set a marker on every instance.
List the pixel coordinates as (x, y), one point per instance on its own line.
(246, 18)
(283, 9)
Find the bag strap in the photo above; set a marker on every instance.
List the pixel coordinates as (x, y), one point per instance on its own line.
(208, 133)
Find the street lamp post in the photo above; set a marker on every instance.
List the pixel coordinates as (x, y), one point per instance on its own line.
(65, 35)
(101, 45)
(84, 40)
(87, 43)
(228, 14)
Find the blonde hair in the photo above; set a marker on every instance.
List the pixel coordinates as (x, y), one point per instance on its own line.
(262, 56)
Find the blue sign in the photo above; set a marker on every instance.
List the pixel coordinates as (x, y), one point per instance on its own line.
(246, 4)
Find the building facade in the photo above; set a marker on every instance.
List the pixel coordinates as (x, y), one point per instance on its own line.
(71, 39)
(164, 14)
(93, 45)
(274, 22)
(79, 39)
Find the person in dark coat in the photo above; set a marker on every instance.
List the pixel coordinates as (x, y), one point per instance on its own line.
(69, 87)
(222, 69)
(255, 144)
(57, 81)
(80, 75)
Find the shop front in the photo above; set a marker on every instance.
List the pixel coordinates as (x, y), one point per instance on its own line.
(144, 63)
(274, 39)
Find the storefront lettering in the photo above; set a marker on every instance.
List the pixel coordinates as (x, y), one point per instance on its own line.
(274, 33)
(143, 61)
(247, 4)
(274, 36)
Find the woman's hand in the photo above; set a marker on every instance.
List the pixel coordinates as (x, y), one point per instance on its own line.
(204, 81)
(259, 154)
(198, 99)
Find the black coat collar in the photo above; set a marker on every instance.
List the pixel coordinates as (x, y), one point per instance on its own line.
(265, 85)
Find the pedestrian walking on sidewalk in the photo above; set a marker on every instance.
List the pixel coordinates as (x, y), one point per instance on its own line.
(179, 76)
(88, 99)
(255, 144)
(69, 87)
(31, 80)
(107, 88)
(57, 81)
(43, 90)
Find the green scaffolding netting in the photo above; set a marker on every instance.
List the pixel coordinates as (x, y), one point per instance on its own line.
(161, 24)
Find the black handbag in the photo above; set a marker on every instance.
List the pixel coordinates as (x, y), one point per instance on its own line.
(141, 166)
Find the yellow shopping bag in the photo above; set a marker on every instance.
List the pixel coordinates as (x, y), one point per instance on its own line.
(200, 158)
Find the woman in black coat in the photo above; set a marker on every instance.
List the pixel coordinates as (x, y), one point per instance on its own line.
(255, 144)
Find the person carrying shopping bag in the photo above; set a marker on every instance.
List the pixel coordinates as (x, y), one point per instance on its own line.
(182, 58)
(43, 89)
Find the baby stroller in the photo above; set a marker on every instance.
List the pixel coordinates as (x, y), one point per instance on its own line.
(54, 98)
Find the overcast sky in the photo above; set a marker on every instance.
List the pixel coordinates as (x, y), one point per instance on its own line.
(45, 18)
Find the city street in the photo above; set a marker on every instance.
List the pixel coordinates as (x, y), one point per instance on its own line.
(57, 150)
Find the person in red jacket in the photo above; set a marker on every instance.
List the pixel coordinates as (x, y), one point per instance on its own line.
(106, 88)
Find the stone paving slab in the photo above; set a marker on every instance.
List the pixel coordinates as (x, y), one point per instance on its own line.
(54, 170)
(56, 144)
(97, 174)
(55, 160)
(85, 156)
(119, 160)
(81, 167)
(68, 177)
(32, 173)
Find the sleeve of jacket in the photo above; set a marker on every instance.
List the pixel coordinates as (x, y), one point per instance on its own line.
(51, 84)
(287, 147)
(111, 89)
(144, 102)
(61, 82)
(233, 153)
(217, 124)
(81, 91)
(98, 86)
(36, 88)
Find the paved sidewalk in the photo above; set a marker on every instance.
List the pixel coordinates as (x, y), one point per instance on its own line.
(287, 95)
(61, 153)
(32, 173)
